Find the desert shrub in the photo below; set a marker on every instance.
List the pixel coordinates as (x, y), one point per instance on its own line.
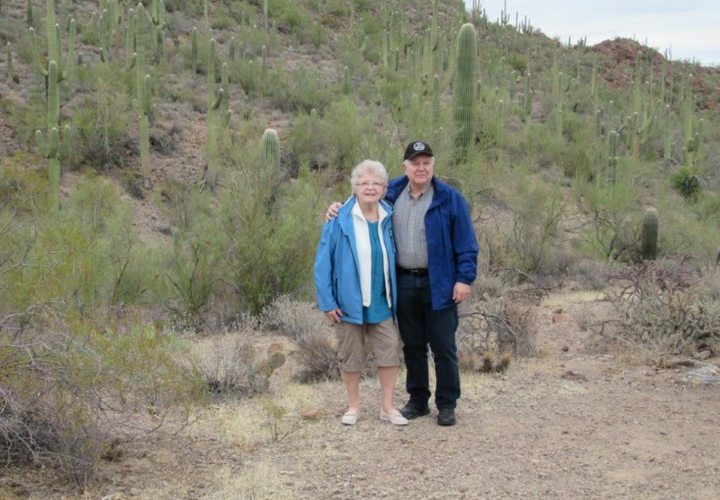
(100, 120)
(660, 306)
(344, 127)
(492, 330)
(230, 365)
(613, 229)
(288, 16)
(308, 329)
(271, 231)
(66, 394)
(591, 274)
(193, 275)
(26, 117)
(687, 183)
(538, 210)
(299, 90)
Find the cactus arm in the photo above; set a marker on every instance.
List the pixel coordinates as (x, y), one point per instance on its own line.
(64, 147)
(42, 146)
(36, 54)
(225, 89)
(194, 51)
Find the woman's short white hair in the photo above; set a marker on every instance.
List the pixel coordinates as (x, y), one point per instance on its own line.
(368, 167)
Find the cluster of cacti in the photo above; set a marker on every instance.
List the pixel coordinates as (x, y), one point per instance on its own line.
(217, 103)
(156, 16)
(649, 237)
(109, 29)
(464, 103)
(271, 149)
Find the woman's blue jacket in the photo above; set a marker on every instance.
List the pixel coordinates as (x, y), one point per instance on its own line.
(337, 270)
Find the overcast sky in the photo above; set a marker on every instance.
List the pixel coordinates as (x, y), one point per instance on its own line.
(692, 27)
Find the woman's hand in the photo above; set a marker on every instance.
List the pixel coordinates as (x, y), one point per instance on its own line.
(332, 211)
(334, 315)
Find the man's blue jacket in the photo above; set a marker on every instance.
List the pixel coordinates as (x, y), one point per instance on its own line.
(452, 245)
(337, 270)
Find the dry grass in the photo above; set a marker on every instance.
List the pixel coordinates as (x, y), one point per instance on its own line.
(251, 423)
(259, 481)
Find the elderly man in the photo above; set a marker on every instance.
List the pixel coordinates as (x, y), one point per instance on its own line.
(436, 265)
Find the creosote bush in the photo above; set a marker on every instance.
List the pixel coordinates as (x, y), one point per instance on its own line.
(660, 305)
(308, 329)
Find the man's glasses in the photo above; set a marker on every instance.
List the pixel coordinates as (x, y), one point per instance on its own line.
(376, 185)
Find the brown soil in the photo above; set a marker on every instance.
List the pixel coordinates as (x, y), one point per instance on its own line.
(612, 428)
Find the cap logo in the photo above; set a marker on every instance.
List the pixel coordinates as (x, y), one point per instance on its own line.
(418, 146)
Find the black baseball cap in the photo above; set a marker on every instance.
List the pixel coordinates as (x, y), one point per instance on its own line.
(417, 148)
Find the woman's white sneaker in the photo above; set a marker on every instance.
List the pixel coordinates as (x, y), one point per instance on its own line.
(394, 417)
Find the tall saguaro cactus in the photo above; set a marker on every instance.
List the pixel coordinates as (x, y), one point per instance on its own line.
(9, 63)
(144, 87)
(271, 149)
(52, 149)
(693, 128)
(217, 103)
(54, 50)
(464, 90)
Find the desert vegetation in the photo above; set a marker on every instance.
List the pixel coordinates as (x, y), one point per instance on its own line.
(165, 166)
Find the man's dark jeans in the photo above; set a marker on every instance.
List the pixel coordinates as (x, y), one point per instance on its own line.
(419, 326)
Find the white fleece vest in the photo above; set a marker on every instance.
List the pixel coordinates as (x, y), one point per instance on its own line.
(362, 239)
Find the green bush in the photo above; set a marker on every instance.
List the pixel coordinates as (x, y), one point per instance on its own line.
(300, 90)
(69, 395)
(100, 122)
(271, 229)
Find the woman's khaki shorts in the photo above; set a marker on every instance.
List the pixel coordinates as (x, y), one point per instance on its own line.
(383, 341)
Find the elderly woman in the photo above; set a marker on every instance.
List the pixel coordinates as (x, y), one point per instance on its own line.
(355, 282)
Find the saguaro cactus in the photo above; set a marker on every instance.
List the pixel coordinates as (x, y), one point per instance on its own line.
(271, 149)
(54, 51)
(52, 149)
(436, 98)
(29, 17)
(216, 101)
(464, 90)
(9, 63)
(649, 248)
(194, 51)
(129, 38)
(144, 87)
(692, 128)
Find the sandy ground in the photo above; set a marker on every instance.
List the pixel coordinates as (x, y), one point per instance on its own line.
(614, 430)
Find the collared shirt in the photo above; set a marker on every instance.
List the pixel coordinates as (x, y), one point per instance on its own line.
(409, 228)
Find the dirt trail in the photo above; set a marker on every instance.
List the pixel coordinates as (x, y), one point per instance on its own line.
(623, 432)
(611, 430)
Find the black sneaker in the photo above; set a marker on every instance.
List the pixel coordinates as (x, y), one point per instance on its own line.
(411, 411)
(446, 417)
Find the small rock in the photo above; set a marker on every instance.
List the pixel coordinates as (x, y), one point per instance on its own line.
(707, 375)
(565, 348)
(311, 414)
(702, 355)
(571, 375)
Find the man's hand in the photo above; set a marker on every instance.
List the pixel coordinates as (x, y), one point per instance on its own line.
(334, 315)
(332, 211)
(461, 292)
